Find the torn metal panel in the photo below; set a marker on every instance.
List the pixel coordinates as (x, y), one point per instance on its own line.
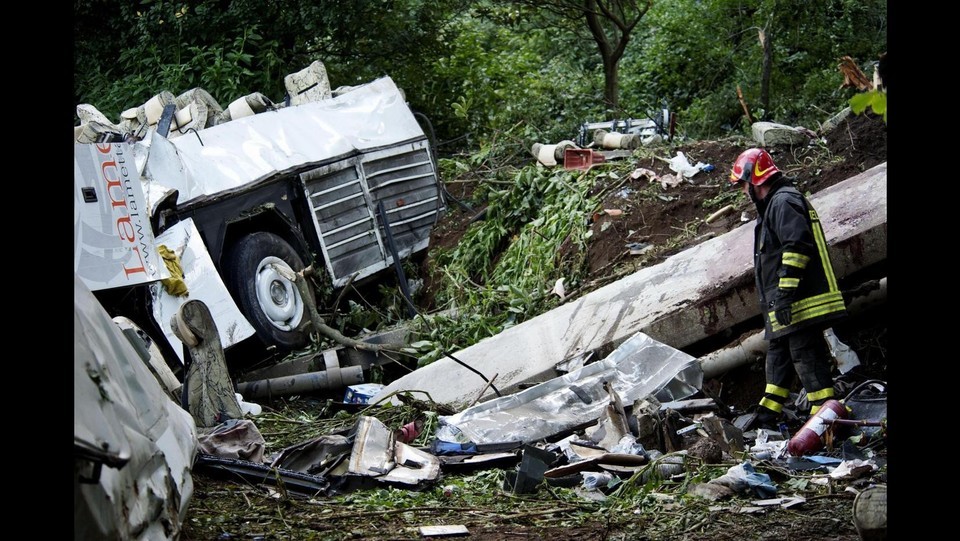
(694, 405)
(468, 462)
(376, 453)
(113, 242)
(630, 462)
(133, 446)
(639, 367)
(317, 456)
(372, 448)
(258, 473)
(529, 474)
(245, 150)
(412, 466)
(203, 283)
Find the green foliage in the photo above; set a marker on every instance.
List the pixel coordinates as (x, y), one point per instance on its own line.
(876, 100)
(697, 52)
(236, 48)
(501, 72)
(479, 68)
(504, 267)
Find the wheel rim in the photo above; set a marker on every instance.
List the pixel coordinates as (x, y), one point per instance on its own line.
(277, 296)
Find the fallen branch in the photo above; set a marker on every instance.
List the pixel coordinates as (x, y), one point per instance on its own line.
(485, 387)
(299, 278)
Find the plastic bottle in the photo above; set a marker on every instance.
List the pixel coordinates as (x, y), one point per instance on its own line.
(809, 438)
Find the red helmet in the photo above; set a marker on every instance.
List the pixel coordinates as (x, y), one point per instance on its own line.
(754, 166)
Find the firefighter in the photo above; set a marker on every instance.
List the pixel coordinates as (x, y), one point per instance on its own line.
(798, 292)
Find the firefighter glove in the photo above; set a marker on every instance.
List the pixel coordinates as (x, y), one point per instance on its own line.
(781, 306)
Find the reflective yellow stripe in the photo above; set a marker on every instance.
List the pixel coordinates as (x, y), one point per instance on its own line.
(814, 409)
(820, 395)
(823, 311)
(822, 249)
(816, 311)
(789, 283)
(818, 300)
(774, 324)
(778, 391)
(771, 404)
(797, 317)
(795, 260)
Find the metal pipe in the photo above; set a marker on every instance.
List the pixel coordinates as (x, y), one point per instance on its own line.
(330, 379)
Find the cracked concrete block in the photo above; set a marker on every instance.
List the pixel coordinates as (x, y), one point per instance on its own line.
(770, 134)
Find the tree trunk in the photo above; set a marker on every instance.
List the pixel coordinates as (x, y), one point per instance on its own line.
(611, 84)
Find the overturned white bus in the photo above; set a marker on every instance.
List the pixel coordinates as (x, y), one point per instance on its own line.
(341, 183)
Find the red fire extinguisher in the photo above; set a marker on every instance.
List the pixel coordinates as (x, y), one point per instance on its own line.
(809, 438)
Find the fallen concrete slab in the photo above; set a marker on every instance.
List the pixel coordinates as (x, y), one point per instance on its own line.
(754, 347)
(692, 295)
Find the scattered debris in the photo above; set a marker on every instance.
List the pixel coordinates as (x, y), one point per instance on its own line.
(718, 214)
(614, 140)
(639, 248)
(234, 438)
(786, 502)
(846, 358)
(551, 154)
(361, 393)
(639, 367)
(444, 531)
(558, 289)
(582, 159)
(743, 478)
(681, 165)
(853, 76)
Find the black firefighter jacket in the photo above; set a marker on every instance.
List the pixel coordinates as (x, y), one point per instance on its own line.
(790, 253)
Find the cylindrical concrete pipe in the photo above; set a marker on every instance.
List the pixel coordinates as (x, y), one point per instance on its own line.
(754, 346)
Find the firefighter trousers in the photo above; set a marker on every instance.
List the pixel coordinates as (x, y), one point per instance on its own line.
(806, 350)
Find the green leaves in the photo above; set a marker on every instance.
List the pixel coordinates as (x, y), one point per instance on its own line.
(876, 100)
(504, 268)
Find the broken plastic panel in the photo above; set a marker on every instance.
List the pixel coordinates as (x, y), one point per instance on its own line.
(640, 367)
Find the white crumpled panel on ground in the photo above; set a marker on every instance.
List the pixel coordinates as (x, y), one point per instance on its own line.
(640, 367)
(121, 411)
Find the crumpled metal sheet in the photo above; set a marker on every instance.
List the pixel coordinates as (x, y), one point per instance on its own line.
(203, 283)
(641, 366)
(124, 420)
(249, 149)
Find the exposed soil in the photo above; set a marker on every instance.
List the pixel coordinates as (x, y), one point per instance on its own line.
(672, 218)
